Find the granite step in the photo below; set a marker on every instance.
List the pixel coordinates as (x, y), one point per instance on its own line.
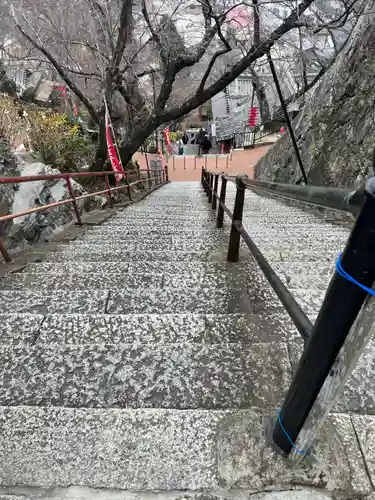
(173, 244)
(178, 375)
(128, 300)
(171, 452)
(210, 268)
(115, 279)
(139, 256)
(124, 245)
(83, 329)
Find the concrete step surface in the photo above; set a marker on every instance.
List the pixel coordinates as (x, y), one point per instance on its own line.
(182, 376)
(87, 329)
(136, 362)
(148, 450)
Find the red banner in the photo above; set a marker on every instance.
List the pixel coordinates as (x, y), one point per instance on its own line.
(253, 116)
(112, 155)
(167, 140)
(62, 89)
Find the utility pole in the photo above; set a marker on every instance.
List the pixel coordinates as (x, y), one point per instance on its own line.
(286, 116)
(154, 97)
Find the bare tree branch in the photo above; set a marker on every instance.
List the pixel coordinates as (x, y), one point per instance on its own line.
(254, 53)
(154, 33)
(60, 71)
(227, 48)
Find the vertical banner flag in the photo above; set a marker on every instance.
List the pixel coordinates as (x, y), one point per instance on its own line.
(167, 140)
(112, 155)
(253, 116)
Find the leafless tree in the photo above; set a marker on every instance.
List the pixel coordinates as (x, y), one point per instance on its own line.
(149, 64)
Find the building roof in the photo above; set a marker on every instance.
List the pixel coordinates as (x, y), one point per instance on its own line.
(228, 126)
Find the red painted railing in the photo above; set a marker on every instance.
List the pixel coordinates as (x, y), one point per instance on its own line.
(154, 178)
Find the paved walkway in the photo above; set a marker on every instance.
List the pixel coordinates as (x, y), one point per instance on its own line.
(188, 168)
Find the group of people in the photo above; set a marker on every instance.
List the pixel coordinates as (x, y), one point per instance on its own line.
(202, 139)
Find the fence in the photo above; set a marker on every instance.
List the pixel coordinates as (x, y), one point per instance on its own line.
(155, 178)
(329, 356)
(195, 162)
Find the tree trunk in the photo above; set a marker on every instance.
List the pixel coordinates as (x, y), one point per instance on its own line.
(101, 149)
(264, 108)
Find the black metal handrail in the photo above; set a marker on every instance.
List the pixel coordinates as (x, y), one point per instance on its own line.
(343, 199)
(299, 318)
(343, 300)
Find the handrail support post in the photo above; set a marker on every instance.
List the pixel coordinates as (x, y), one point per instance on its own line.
(235, 235)
(220, 212)
(210, 186)
(214, 195)
(74, 201)
(4, 252)
(109, 196)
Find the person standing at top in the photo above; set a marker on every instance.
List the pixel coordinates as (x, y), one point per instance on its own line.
(206, 145)
(199, 139)
(185, 138)
(180, 147)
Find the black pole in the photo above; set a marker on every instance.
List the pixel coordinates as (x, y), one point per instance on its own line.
(214, 196)
(154, 99)
(220, 212)
(166, 173)
(287, 118)
(210, 186)
(340, 308)
(252, 105)
(235, 235)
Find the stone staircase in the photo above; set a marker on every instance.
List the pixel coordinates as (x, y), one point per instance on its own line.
(136, 363)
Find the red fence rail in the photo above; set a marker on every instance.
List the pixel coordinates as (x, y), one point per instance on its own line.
(155, 178)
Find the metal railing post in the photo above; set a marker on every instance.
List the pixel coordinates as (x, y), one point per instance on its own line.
(214, 196)
(166, 173)
(149, 178)
(109, 196)
(206, 181)
(210, 186)
(235, 236)
(75, 204)
(220, 212)
(216, 161)
(195, 162)
(4, 252)
(202, 176)
(130, 192)
(341, 305)
(174, 162)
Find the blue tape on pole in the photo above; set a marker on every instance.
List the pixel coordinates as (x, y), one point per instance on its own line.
(341, 271)
(289, 438)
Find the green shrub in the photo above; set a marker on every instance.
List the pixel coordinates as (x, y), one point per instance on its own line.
(60, 144)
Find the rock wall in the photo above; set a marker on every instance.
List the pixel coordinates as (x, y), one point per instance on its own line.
(336, 127)
(27, 230)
